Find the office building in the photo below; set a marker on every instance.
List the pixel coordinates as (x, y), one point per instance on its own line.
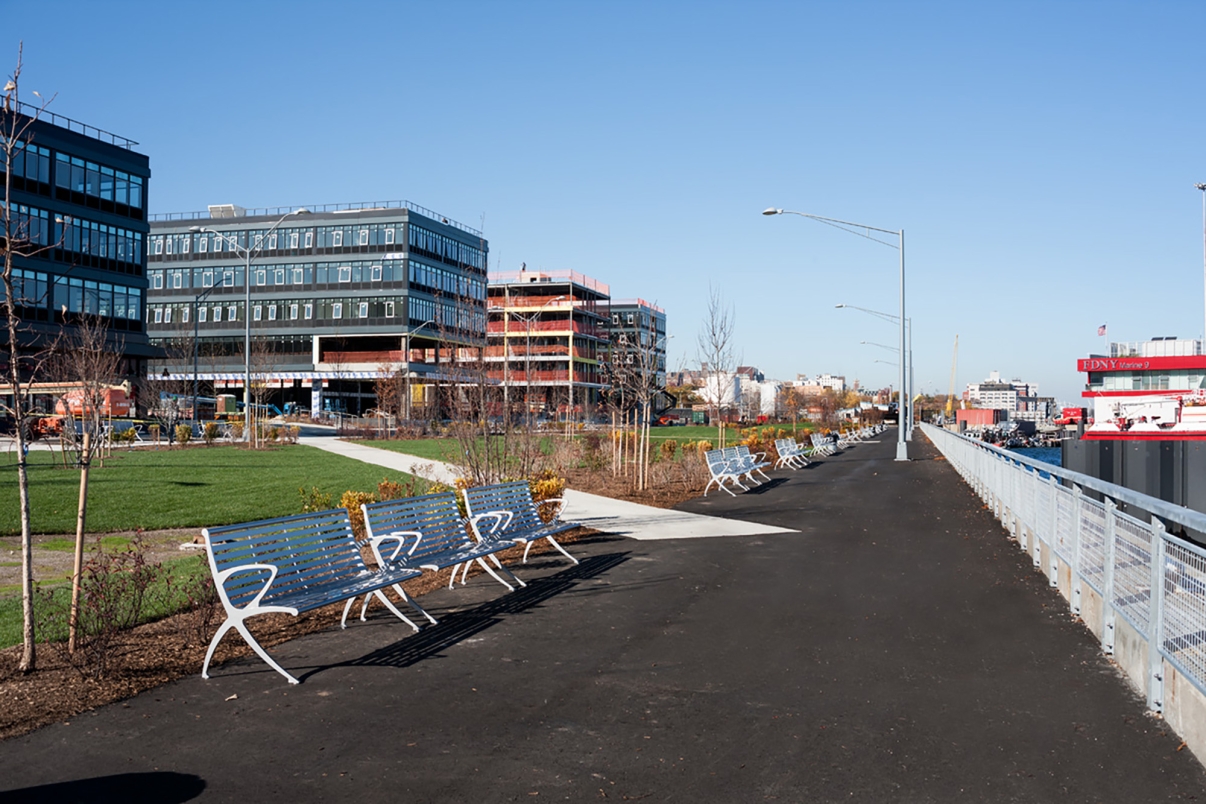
(340, 296)
(546, 335)
(78, 198)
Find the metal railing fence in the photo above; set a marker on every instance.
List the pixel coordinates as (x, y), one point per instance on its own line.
(1153, 580)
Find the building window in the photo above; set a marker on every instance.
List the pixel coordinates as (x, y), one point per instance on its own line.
(203, 243)
(364, 237)
(389, 306)
(309, 239)
(232, 312)
(364, 309)
(272, 312)
(292, 312)
(376, 273)
(167, 315)
(337, 310)
(185, 242)
(159, 245)
(156, 281)
(337, 238)
(158, 315)
(177, 280)
(217, 314)
(389, 237)
(298, 276)
(257, 312)
(309, 311)
(207, 278)
(184, 316)
(293, 239)
(218, 240)
(272, 242)
(228, 279)
(345, 273)
(261, 276)
(202, 315)
(278, 276)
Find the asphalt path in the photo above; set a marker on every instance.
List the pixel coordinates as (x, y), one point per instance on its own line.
(890, 645)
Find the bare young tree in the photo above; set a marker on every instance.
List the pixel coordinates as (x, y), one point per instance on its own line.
(23, 236)
(88, 359)
(716, 350)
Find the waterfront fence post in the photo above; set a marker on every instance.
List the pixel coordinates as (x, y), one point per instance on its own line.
(1053, 538)
(1107, 604)
(1155, 621)
(1074, 580)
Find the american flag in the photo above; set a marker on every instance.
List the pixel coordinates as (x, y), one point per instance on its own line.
(1101, 330)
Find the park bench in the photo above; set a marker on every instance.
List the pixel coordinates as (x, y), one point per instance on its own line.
(790, 454)
(428, 535)
(516, 516)
(822, 445)
(722, 470)
(291, 565)
(747, 463)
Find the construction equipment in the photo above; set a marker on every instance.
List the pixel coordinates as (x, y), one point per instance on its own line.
(950, 393)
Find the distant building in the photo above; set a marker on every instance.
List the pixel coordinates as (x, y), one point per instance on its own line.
(1014, 396)
(637, 337)
(831, 381)
(546, 336)
(335, 294)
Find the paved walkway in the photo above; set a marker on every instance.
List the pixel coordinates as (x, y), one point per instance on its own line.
(601, 513)
(887, 643)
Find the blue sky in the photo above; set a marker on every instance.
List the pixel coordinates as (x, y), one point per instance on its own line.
(1041, 157)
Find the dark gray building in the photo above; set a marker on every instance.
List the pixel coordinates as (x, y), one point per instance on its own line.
(78, 198)
(339, 294)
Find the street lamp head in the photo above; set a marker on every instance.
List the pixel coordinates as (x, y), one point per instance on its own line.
(300, 211)
(839, 306)
(772, 211)
(1201, 187)
(195, 229)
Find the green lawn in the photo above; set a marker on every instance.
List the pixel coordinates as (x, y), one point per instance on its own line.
(163, 599)
(181, 488)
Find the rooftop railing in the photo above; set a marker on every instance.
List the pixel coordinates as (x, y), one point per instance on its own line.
(356, 206)
(29, 110)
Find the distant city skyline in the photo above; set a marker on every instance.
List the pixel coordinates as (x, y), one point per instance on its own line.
(1042, 158)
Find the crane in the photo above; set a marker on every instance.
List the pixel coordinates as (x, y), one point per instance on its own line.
(950, 394)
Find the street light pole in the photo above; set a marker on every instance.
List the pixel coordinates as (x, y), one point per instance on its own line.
(911, 386)
(246, 252)
(1202, 187)
(410, 335)
(196, 342)
(902, 449)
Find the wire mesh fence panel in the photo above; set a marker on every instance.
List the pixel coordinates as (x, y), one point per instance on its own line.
(1065, 514)
(1133, 571)
(1091, 544)
(1183, 635)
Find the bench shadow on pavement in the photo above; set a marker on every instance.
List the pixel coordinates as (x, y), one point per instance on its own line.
(162, 788)
(461, 625)
(767, 485)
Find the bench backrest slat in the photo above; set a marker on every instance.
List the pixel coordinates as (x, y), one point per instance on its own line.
(436, 516)
(515, 497)
(307, 550)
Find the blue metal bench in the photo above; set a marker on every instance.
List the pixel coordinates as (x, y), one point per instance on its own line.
(429, 534)
(290, 565)
(516, 517)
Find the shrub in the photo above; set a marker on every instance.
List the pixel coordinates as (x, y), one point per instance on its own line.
(668, 449)
(236, 431)
(703, 446)
(352, 500)
(184, 433)
(274, 434)
(390, 490)
(314, 500)
(210, 434)
(546, 486)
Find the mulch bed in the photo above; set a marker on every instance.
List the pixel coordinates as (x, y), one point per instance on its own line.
(163, 651)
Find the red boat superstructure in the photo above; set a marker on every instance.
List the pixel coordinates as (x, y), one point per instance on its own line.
(1152, 390)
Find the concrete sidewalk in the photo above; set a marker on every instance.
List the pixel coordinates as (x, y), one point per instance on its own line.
(887, 644)
(601, 513)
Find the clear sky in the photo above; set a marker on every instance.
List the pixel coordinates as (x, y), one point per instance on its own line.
(1040, 156)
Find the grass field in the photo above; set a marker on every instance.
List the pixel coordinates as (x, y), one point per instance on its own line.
(181, 488)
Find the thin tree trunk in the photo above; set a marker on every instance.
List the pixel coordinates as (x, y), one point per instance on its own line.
(74, 618)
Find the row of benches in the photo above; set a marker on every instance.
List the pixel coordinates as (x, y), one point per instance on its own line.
(303, 562)
(731, 464)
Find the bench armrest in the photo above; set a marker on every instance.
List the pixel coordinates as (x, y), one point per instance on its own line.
(226, 574)
(559, 502)
(398, 536)
(502, 522)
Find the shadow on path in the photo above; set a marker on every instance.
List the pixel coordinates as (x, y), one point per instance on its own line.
(154, 788)
(458, 626)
